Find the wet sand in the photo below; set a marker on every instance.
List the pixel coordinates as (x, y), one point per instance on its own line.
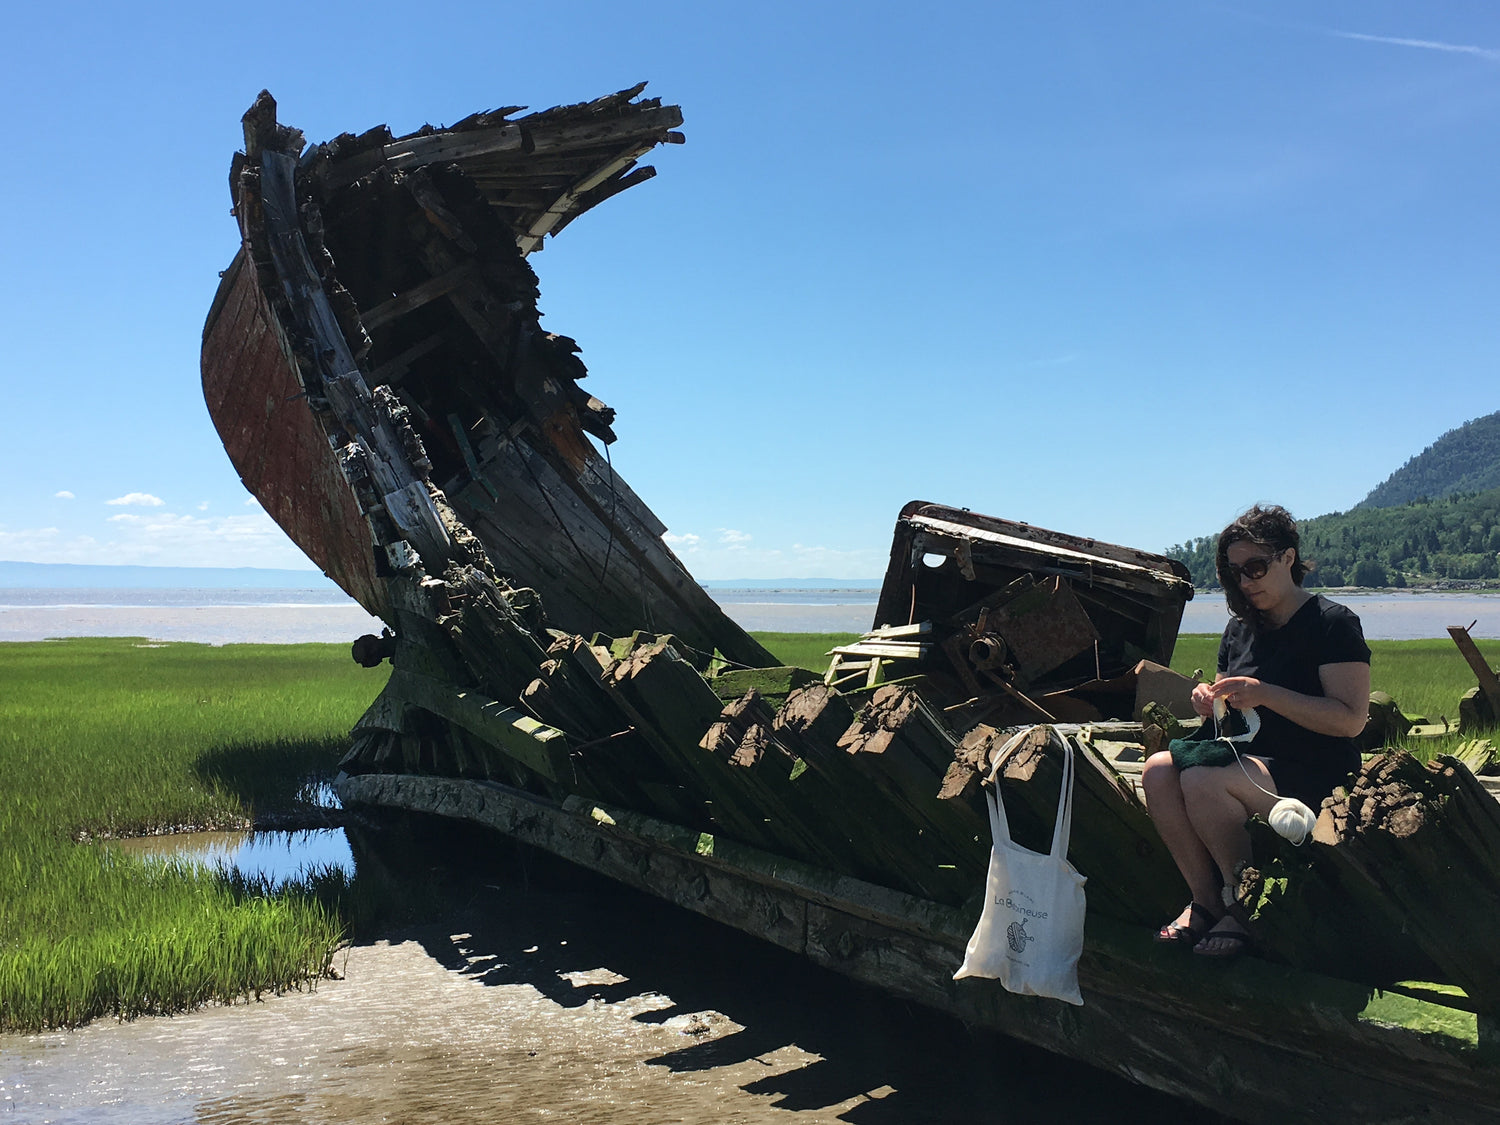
(295, 624)
(571, 999)
(1386, 616)
(214, 625)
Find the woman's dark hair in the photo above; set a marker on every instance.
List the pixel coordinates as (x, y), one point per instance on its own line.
(1272, 527)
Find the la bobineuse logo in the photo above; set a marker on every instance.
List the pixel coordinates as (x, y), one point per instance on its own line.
(1017, 937)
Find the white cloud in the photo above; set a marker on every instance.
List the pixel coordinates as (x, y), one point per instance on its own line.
(63, 495)
(729, 535)
(203, 507)
(1488, 53)
(687, 540)
(139, 499)
(161, 539)
(251, 502)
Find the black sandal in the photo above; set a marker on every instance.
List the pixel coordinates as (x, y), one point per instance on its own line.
(1200, 922)
(1240, 941)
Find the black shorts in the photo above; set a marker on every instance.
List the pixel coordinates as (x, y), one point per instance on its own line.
(1310, 782)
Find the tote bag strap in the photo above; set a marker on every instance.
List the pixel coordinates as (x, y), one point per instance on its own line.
(999, 826)
(1064, 827)
(1062, 830)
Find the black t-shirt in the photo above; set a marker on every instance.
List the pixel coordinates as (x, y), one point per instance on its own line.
(1320, 632)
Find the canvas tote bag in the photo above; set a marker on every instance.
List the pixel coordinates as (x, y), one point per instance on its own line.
(1030, 932)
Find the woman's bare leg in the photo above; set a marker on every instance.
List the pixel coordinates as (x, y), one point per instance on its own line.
(1162, 783)
(1217, 803)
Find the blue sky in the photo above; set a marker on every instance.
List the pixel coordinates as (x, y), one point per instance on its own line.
(1114, 269)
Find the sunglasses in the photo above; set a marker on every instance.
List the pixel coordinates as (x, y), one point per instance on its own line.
(1253, 569)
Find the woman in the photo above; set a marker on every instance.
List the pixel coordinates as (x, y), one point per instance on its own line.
(1301, 661)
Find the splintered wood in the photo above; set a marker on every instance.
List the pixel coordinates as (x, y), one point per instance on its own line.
(1427, 839)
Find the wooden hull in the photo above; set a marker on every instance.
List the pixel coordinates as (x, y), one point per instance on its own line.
(375, 366)
(275, 443)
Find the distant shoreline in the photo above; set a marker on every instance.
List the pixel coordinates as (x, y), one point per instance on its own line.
(1475, 590)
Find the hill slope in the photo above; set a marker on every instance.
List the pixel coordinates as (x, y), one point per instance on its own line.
(1425, 543)
(1466, 459)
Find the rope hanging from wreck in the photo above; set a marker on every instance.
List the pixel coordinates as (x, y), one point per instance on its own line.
(609, 545)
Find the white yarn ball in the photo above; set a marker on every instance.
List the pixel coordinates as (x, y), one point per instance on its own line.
(1292, 820)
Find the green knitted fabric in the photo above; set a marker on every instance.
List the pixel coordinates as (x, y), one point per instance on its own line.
(1199, 752)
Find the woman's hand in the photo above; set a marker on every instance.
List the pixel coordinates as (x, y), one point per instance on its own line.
(1243, 692)
(1203, 699)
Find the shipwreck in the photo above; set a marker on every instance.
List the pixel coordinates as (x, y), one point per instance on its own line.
(376, 367)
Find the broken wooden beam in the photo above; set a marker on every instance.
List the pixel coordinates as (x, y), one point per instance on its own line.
(1489, 683)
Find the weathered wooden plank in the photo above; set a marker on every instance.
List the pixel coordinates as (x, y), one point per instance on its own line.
(773, 684)
(743, 737)
(560, 208)
(1114, 844)
(538, 747)
(900, 745)
(465, 273)
(594, 573)
(672, 707)
(907, 651)
(896, 844)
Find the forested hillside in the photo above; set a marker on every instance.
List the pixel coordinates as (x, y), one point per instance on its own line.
(1424, 543)
(1463, 460)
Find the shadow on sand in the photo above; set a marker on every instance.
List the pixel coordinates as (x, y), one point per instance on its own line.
(528, 918)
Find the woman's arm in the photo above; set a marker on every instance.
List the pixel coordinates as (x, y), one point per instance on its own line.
(1342, 710)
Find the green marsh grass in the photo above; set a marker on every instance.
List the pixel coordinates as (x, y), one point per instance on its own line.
(804, 650)
(107, 738)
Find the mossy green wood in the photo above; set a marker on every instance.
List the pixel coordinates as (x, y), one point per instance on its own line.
(898, 852)
(773, 684)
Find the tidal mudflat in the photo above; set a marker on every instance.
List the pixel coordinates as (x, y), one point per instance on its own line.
(555, 996)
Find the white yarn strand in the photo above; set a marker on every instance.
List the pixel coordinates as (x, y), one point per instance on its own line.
(1289, 818)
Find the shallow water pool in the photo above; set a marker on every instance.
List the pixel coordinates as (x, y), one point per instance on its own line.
(275, 856)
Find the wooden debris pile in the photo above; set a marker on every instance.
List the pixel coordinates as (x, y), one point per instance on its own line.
(1008, 624)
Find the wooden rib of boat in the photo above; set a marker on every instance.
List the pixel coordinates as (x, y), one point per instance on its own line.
(376, 367)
